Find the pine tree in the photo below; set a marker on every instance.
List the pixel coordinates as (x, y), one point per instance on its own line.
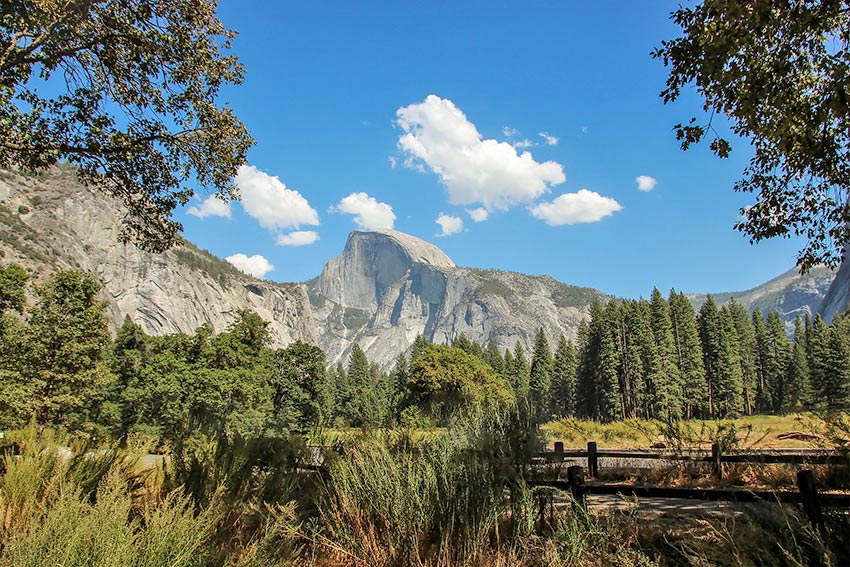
(668, 389)
(564, 379)
(836, 382)
(689, 355)
(743, 341)
(730, 385)
(418, 347)
(798, 368)
(598, 387)
(722, 365)
(632, 337)
(493, 357)
(761, 362)
(817, 343)
(521, 372)
(509, 372)
(360, 376)
(778, 360)
(540, 381)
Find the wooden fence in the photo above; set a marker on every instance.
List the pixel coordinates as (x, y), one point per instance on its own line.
(807, 493)
(716, 456)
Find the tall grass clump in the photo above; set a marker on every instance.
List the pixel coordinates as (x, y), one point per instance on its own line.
(90, 507)
(60, 507)
(431, 502)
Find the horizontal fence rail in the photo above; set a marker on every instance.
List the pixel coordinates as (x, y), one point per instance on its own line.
(723, 495)
(716, 457)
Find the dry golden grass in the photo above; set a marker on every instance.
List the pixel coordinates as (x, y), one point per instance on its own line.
(758, 431)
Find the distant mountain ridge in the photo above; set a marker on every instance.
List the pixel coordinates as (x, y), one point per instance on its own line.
(384, 289)
(387, 287)
(791, 294)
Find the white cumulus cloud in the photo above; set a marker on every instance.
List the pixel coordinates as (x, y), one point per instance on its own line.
(437, 135)
(212, 206)
(574, 208)
(478, 215)
(549, 139)
(645, 183)
(369, 213)
(449, 224)
(255, 265)
(298, 238)
(267, 199)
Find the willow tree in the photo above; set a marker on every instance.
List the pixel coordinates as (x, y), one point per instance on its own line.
(129, 93)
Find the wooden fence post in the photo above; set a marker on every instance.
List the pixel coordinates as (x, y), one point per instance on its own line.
(575, 478)
(592, 460)
(809, 495)
(716, 461)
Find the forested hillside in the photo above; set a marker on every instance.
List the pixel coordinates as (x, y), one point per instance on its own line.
(655, 359)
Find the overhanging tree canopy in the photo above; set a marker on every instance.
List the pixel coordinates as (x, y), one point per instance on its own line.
(780, 71)
(134, 88)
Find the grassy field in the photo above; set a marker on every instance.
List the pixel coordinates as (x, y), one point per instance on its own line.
(758, 431)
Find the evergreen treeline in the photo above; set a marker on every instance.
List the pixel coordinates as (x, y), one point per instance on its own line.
(60, 366)
(655, 359)
(659, 359)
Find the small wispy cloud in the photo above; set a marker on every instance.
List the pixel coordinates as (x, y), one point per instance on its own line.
(256, 265)
(645, 183)
(449, 224)
(369, 214)
(549, 139)
(478, 215)
(585, 206)
(212, 206)
(523, 144)
(509, 132)
(298, 238)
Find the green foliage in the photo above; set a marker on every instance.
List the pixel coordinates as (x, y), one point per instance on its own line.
(779, 72)
(137, 106)
(12, 294)
(203, 261)
(492, 286)
(353, 318)
(445, 381)
(540, 378)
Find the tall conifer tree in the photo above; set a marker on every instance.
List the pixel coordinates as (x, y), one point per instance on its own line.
(668, 390)
(564, 372)
(540, 380)
(689, 355)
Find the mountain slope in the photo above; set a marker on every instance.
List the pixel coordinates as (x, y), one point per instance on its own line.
(386, 287)
(837, 299)
(791, 294)
(50, 221)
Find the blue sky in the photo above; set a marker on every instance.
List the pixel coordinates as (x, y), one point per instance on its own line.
(540, 116)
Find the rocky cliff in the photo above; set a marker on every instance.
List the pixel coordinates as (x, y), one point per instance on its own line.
(386, 287)
(837, 298)
(50, 221)
(791, 294)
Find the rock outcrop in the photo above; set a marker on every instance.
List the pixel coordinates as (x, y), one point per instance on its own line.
(791, 294)
(837, 298)
(387, 287)
(50, 221)
(382, 291)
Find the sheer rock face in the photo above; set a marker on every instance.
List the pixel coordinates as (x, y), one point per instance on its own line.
(387, 287)
(50, 221)
(837, 299)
